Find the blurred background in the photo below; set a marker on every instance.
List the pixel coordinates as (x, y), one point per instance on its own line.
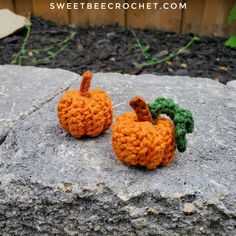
(204, 17)
(127, 41)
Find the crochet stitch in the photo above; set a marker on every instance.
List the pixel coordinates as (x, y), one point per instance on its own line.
(85, 112)
(136, 141)
(182, 119)
(145, 138)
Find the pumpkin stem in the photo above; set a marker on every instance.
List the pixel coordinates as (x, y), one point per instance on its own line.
(85, 84)
(141, 109)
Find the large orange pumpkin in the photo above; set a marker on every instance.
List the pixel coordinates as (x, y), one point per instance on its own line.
(138, 140)
(83, 112)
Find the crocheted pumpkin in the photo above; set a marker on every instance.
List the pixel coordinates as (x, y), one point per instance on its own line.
(145, 138)
(83, 112)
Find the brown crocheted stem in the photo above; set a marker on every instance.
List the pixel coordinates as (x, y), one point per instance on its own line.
(85, 84)
(141, 109)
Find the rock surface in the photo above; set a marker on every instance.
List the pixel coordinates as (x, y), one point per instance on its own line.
(54, 184)
(23, 92)
(10, 22)
(232, 85)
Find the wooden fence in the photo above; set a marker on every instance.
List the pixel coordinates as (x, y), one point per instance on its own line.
(204, 17)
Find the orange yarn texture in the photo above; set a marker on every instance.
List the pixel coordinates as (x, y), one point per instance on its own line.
(85, 112)
(136, 141)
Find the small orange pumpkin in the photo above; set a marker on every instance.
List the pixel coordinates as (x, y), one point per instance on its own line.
(145, 138)
(83, 112)
(136, 141)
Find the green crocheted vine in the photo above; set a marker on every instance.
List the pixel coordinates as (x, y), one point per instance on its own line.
(182, 119)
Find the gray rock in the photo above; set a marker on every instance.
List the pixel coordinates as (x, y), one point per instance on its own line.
(231, 84)
(54, 184)
(24, 90)
(11, 21)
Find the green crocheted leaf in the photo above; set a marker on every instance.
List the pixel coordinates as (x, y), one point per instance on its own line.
(182, 119)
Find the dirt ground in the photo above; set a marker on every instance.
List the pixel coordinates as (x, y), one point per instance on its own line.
(112, 48)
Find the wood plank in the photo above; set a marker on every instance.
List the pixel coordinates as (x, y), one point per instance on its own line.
(42, 8)
(7, 4)
(107, 17)
(214, 17)
(229, 29)
(95, 17)
(164, 19)
(212, 21)
(216, 22)
(79, 17)
(23, 7)
(192, 20)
